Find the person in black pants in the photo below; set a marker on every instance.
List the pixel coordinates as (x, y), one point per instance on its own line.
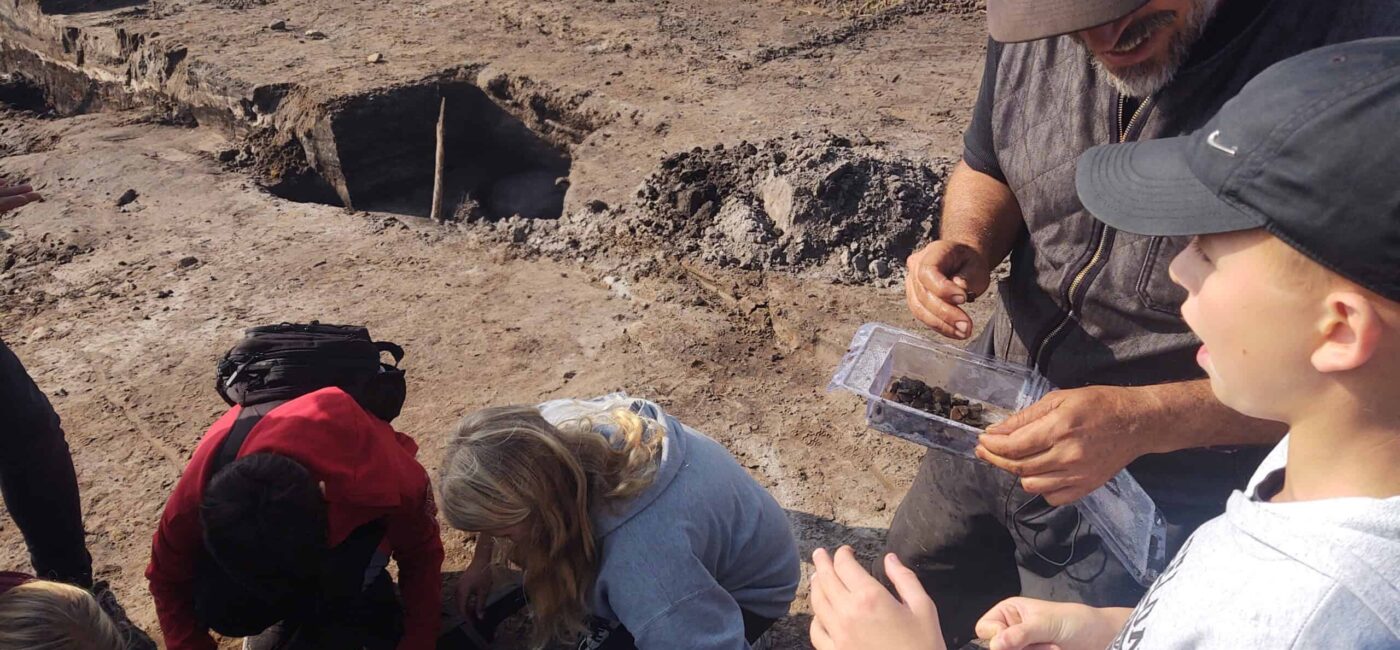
(37, 478)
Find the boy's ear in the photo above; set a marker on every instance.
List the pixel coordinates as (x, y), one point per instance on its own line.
(1351, 332)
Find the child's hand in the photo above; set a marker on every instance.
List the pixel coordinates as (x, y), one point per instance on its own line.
(1017, 623)
(853, 611)
(475, 586)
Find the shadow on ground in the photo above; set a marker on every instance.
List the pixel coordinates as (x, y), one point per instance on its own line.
(814, 531)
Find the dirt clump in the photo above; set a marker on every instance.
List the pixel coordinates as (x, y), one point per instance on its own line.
(821, 204)
(936, 401)
(797, 204)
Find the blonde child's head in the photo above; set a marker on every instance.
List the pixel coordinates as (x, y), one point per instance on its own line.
(511, 474)
(43, 615)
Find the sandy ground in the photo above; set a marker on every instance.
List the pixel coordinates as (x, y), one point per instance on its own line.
(121, 313)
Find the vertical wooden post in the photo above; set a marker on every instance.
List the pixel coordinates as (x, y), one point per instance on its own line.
(436, 213)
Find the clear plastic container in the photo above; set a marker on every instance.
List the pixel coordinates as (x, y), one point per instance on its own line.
(1124, 517)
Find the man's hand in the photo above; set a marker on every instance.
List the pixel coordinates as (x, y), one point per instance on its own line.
(853, 611)
(1072, 442)
(942, 276)
(12, 197)
(1017, 623)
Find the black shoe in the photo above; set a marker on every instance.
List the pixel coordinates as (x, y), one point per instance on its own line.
(132, 636)
(269, 639)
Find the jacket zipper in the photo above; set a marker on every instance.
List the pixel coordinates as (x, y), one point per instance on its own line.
(1083, 273)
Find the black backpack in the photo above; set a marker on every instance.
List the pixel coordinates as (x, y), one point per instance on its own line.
(270, 366)
(275, 363)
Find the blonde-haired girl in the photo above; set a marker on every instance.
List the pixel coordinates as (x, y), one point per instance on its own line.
(42, 615)
(632, 530)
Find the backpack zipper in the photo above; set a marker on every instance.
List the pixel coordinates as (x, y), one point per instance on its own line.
(1099, 248)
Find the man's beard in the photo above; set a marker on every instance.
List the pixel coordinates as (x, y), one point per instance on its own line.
(1150, 76)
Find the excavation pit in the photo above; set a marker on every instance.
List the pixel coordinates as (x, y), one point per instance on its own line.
(19, 92)
(495, 165)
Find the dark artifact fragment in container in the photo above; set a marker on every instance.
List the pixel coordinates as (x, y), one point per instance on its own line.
(936, 401)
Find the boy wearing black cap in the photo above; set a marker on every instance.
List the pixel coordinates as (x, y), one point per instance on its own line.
(1294, 289)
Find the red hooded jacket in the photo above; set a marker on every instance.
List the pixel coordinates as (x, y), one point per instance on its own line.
(369, 471)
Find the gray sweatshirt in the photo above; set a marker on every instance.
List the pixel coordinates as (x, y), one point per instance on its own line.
(1313, 574)
(679, 561)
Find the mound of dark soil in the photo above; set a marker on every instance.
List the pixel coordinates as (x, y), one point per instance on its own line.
(800, 203)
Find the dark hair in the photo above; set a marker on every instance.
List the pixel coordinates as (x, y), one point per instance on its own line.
(264, 519)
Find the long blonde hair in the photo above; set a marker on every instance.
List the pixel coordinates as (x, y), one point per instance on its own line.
(43, 615)
(508, 465)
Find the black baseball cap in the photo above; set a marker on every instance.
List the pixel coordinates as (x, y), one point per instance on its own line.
(1015, 21)
(1309, 151)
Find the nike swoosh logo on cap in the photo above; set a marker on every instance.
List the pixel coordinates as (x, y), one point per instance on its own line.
(1214, 140)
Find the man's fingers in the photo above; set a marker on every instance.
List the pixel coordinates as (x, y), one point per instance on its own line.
(916, 307)
(1026, 415)
(955, 323)
(13, 190)
(935, 313)
(935, 287)
(1026, 443)
(942, 280)
(1021, 442)
(1066, 496)
(1045, 462)
(1047, 483)
(1041, 463)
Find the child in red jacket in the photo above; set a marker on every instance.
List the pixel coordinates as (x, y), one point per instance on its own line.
(291, 539)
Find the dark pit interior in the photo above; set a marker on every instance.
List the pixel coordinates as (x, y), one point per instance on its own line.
(86, 6)
(495, 166)
(22, 93)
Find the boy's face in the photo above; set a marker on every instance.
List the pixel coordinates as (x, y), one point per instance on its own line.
(1253, 304)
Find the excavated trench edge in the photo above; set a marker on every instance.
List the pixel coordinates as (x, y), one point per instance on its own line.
(507, 138)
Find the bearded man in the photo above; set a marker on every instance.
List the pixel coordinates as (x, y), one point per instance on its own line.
(1090, 307)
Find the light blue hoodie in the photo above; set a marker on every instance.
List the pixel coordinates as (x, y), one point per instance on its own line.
(679, 561)
(1306, 574)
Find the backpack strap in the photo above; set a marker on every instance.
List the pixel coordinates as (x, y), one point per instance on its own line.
(346, 568)
(393, 349)
(248, 418)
